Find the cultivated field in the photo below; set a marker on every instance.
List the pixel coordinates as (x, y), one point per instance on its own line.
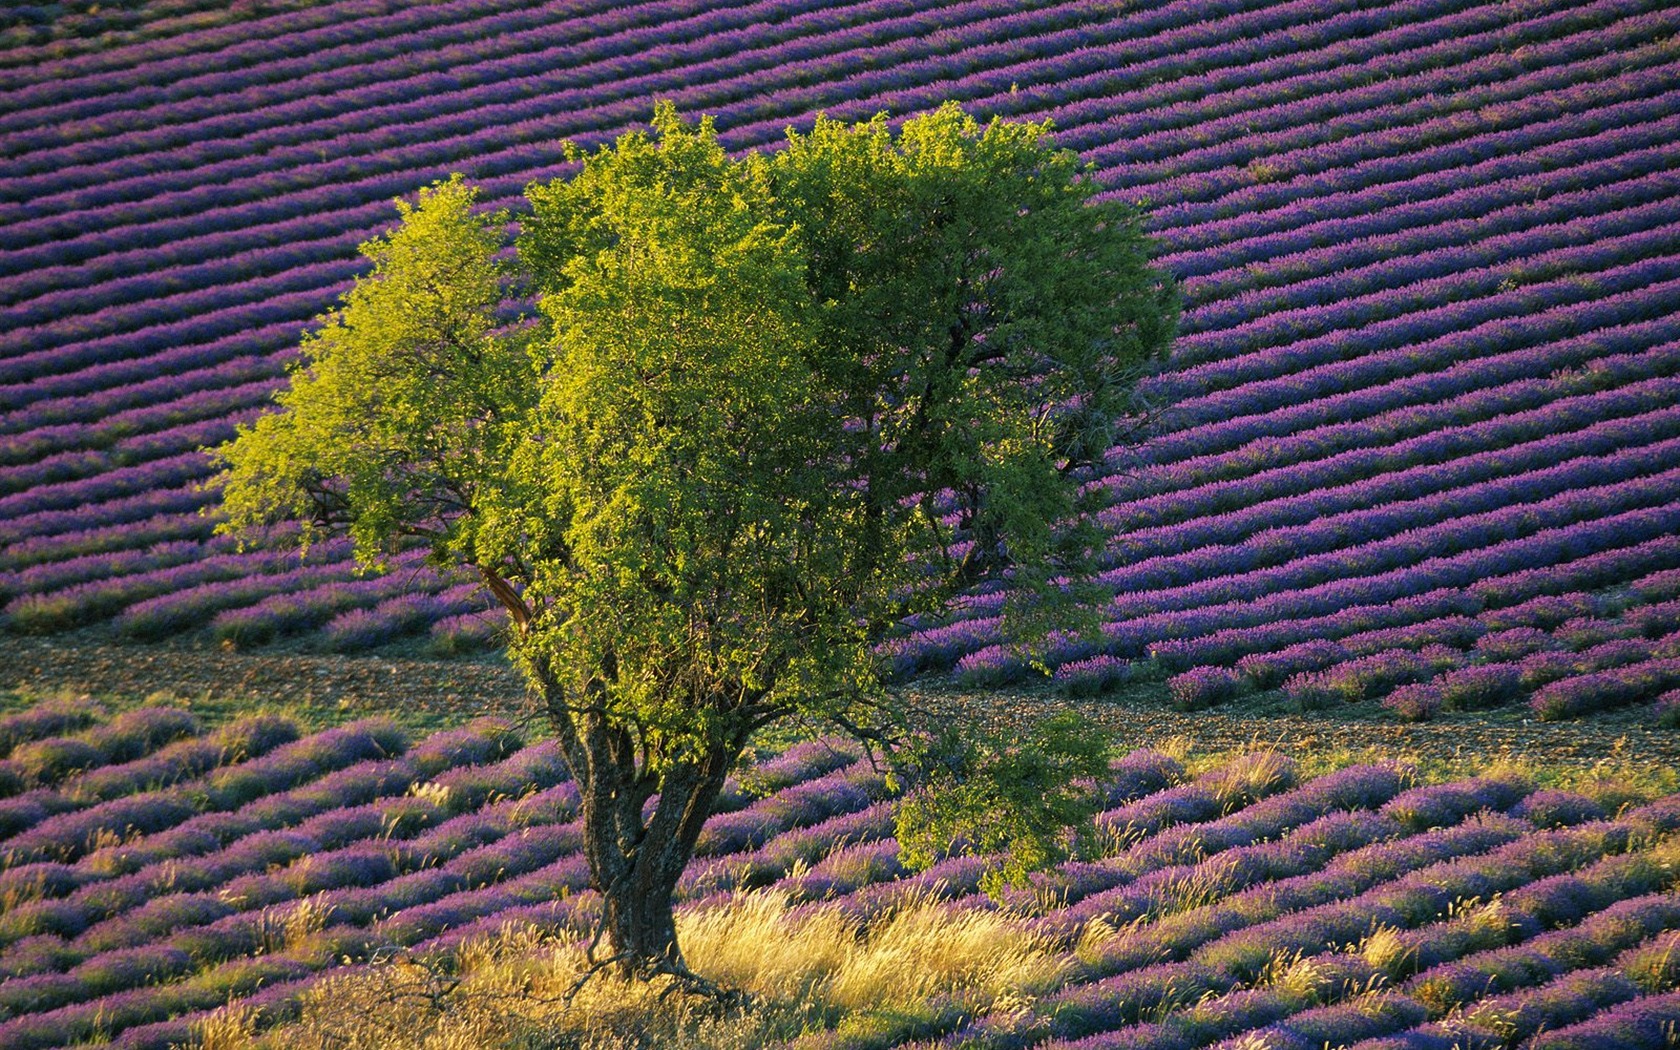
(153, 870)
(1418, 439)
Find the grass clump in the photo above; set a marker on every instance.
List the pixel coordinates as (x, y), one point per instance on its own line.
(816, 976)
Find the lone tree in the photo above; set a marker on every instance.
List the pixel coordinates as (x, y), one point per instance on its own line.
(770, 408)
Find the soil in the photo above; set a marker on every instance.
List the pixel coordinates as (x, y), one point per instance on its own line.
(432, 691)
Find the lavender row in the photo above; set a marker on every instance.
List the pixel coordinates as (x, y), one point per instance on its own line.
(219, 43)
(52, 760)
(71, 835)
(1530, 361)
(791, 102)
(105, 539)
(342, 32)
(1341, 452)
(1607, 437)
(1262, 219)
(1459, 508)
(1598, 561)
(1136, 969)
(100, 598)
(1262, 271)
(45, 272)
(552, 117)
(1307, 144)
(1407, 153)
(484, 868)
(1439, 544)
(1327, 275)
(1572, 49)
(1261, 359)
(190, 141)
(114, 896)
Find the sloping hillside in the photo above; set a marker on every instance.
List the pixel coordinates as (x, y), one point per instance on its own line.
(1420, 437)
(155, 870)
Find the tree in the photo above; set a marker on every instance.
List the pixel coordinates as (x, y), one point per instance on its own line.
(770, 408)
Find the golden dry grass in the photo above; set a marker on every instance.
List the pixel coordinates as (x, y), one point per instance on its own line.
(813, 972)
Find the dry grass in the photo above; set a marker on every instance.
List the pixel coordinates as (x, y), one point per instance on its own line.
(816, 976)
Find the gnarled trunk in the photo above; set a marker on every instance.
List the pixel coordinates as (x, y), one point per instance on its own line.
(636, 854)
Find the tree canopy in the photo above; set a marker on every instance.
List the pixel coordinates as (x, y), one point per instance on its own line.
(769, 407)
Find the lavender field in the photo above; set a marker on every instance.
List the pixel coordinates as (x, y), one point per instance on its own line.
(153, 870)
(1419, 439)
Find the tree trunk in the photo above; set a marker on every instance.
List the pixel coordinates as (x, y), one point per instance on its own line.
(636, 854)
(636, 862)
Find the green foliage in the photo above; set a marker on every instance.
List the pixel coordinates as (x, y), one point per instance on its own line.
(1027, 802)
(409, 401)
(771, 407)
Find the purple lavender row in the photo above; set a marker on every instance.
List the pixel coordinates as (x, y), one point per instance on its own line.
(54, 760)
(234, 935)
(1570, 46)
(1210, 292)
(468, 633)
(1526, 659)
(220, 45)
(471, 885)
(1337, 453)
(1268, 670)
(249, 737)
(189, 497)
(1282, 543)
(1546, 983)
(1526, 369)
(1611, 564)
(112, 484)
(1596, 940)
(1438, 544)
(357, 630)
(229, 51)
(554, 116)
(844, 790)
(45, 273)
(1304, 143)
(1265, 358)
(1457, 270)
(1262, 359)
(1405, 153)
(1470, 428)
(69, 453)
(101, 598)
(46, 324)
(1420, 895)
(161, 528)
(295, 309)
(1645, 1023)
(388, 121)
(1195, 244)
(50, 718)
(1638, 683)
(1137, 968)
(111, 407)
(1409, 46)
(1164, 866)
(290, 612)
(1522, 914)
(612, 115)
(252, 130)
(1218, 513)
(185, 609)
(70, 835)
(325, 845)
(1262, 218)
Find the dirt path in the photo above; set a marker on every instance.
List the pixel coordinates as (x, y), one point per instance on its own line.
(444, 691)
